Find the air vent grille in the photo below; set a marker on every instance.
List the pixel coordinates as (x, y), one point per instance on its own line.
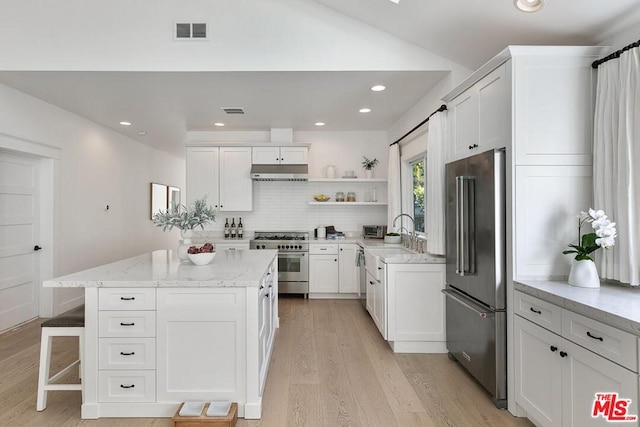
(190, 31)
(233, 110)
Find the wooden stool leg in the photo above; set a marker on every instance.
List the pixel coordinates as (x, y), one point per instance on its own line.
(43, 375)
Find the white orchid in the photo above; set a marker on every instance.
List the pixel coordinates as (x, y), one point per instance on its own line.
(603, 235)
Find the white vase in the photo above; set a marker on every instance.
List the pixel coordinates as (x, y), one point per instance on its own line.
(184, 244)
(368, 173)
(584, 274)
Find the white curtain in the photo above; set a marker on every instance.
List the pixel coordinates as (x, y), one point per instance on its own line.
(435, 198)
(394, 207)
(616, 167)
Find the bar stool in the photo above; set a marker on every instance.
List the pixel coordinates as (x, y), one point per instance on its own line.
(69, 324)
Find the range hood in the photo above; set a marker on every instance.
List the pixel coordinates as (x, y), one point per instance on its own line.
(280, 172)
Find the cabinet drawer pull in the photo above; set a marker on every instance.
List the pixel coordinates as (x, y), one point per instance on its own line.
(323, 249)
(127, 354)
(535, 311)
(127, 386)
(127, 298)
(594, 337)
(563, 354)
(127, 324)
(371, 283)
(553, 348)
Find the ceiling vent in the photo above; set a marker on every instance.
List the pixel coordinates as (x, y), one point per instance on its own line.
(190, 31)
(233, 110)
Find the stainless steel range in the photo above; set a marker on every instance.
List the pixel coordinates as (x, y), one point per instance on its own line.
(293, 258)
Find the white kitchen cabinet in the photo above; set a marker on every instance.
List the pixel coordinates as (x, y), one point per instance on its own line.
(280, 155)
(222, 174)
(479, 116)
(349, 273)
(323, 273)
(556, 379)
(230, 245)
(379, 306)
(415, 308)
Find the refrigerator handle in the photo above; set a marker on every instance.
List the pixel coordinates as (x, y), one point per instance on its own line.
(453, 296)
(459, 226)
(470, 241)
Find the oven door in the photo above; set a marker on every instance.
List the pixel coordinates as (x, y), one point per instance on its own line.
(293, 267)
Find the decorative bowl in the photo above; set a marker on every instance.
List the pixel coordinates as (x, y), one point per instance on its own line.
(202, 258)
(321, 198)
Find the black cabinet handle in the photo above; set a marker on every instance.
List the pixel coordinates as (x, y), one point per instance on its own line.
(127, 354)
(127, 324)
(535, 311)
(371, 283)
(553, 348)
(563, 354)
(379, 268)
(127, 386)
(127, 298)
(37, 248)
(594, 337)
(336, 260)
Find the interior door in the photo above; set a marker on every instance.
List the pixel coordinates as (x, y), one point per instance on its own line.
(19, 278)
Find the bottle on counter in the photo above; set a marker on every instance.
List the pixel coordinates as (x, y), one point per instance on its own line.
(240, 229)
(232, 230)
(226, 228)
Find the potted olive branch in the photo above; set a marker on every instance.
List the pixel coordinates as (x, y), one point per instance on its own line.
(368, 165)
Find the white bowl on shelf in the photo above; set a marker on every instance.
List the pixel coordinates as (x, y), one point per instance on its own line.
(202, 258)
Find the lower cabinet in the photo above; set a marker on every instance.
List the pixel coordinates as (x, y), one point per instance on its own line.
(323, 274)
(349, 273)
(415, 307)
(557, 380)
(333, 269)
(376, 302)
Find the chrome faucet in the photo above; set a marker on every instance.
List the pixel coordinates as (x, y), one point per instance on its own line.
(413, 226)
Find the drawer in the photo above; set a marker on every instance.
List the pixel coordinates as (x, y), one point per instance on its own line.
(228, 246)
(540, 312)
(328, 249)
(201, 298)
(127, 324)
(127, 353)
(609, 342)
(126, 299)
(127, 386)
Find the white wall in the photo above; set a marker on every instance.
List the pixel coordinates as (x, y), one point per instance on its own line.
(97, 167)
(250, 35)
(623, 38)
(285, 205)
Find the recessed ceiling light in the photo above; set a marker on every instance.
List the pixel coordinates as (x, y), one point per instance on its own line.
(218, 124)
(395, 1)
(320, 123)
(529, 5)
(125, 123)
(365, 110)
(142, 132)
(378, 88)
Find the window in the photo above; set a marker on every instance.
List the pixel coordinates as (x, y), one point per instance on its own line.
(418, 193)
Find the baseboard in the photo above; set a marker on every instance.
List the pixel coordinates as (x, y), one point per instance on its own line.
(418, 346)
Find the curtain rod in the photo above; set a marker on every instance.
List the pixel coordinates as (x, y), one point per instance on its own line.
(442, 108)
(615, 54)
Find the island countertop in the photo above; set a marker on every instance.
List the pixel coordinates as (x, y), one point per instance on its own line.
(162, 268)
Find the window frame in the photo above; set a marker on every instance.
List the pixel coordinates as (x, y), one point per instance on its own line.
(406, 186)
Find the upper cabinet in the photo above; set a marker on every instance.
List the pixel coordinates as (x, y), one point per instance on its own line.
(280, 155)
(479, 117)
(222, 174)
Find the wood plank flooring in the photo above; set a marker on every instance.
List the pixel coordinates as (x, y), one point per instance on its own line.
(330, 368)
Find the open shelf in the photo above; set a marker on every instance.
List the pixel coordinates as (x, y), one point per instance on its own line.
(347, 180)
(350, 203)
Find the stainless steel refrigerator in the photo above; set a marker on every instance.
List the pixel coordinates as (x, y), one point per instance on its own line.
(476, 269)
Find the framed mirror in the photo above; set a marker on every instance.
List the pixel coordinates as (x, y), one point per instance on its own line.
(173, 196)
(158, 198)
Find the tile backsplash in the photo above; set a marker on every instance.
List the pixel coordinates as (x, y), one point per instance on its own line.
(284, 205)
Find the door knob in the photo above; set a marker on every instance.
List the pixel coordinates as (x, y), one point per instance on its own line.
(36, 248)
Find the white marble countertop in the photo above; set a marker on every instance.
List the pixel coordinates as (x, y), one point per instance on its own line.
(411, 257)
(614, 305)
(162, 268)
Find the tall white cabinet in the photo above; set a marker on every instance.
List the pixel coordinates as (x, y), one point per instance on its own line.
(537, 103)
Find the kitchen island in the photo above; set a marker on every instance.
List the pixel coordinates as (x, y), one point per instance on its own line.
(159, 332)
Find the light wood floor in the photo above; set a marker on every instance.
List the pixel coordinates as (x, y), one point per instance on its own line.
(330, 367)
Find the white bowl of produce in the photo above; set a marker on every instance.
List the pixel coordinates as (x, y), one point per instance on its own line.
(202, 255)
(202, 258)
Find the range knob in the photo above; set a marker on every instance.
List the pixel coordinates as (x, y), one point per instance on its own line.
(279, 247)
(263, 246)
(288, 247)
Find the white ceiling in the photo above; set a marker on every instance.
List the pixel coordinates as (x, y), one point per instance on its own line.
(468, 32)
